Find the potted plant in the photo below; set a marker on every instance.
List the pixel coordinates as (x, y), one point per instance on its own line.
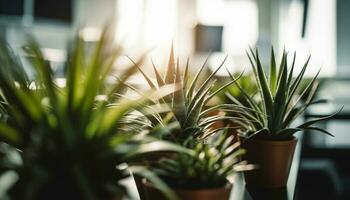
(267, 129)
(186, 112)
(202, 175)
(72, 140)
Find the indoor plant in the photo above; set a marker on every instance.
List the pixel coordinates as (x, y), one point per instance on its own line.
(266, 131)
(70, 138)
(186, 111)
(187, 103)
(202, 175)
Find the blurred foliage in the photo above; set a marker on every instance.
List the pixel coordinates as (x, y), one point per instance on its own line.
(71, 139)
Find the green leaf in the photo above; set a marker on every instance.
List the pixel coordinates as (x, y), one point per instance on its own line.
(291, 70)
(204, 87)
(42, 68)
(160, 80)
(267, 97)
(311, 122)
(214, 93)
(186, 76)
(248, 99)
(179, 106)
(282, 64)
(194, 81)
(289, 131)
(280, 98)
(319, 130)
(273, 74)
(195, 108)
(153, 178)
(148, 79)
(158, 145)
(170, 74)
(73, 74)
(260, 132)
(9, 134)
(310, 90)
(118, 87)
(296, 82)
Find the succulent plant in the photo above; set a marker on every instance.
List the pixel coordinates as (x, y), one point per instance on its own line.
(271, 111)
(210, 166)
(69, 141)
(187, 104)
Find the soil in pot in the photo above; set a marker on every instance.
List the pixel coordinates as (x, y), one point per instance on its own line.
(222, 193)
(273, 160)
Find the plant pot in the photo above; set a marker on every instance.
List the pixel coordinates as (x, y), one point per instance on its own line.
(273, 159)
(222, 193)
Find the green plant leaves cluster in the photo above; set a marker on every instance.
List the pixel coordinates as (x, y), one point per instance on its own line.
(74, 139)
(186, 110)
(187, 103)
(208, 167)
(71, 138)
(280, 100)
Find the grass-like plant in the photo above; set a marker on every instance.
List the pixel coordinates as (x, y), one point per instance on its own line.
(279, 101)
(187, 104)
(211, 165)
(68, 138)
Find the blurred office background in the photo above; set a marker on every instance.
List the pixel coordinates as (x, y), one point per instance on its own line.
(225, 27)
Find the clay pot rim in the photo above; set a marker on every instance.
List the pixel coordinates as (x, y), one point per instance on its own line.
(274, 142)
(227, 186)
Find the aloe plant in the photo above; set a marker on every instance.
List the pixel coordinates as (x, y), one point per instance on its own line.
(211, 165)
(187, 104)
(279, 101)
(70, 140)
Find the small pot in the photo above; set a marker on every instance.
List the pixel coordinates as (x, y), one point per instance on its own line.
(273, 159)
(222, 193)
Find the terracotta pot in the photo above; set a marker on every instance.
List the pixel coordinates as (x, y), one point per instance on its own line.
(273, 159)
(222, 193)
